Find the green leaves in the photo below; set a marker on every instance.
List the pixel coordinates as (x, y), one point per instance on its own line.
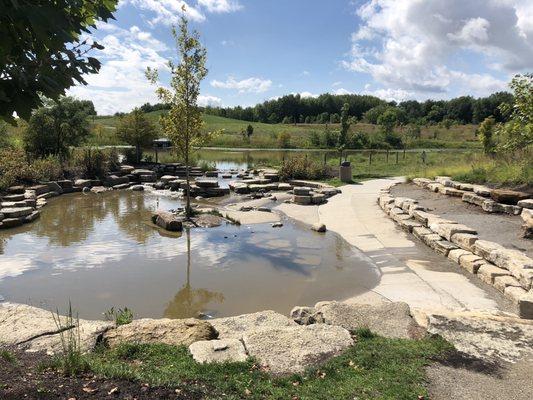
(40, 50)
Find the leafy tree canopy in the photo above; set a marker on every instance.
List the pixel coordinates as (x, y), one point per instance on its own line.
(43, 49)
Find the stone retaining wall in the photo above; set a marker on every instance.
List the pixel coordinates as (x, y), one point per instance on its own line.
(490, 200)
(508, 270)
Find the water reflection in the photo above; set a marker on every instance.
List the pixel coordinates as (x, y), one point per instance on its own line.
(101, 251)
(189, 302)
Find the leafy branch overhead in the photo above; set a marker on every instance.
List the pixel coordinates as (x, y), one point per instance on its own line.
(44, 49)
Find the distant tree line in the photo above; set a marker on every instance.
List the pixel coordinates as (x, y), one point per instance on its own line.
(327, 108)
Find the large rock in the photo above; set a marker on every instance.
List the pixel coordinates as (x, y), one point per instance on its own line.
(465, 240)
(290, 350)
(16, 212)
(508, 196)
(391, 320)
(168, 221)
(514, 261)
(492, 339)
(448, 230)
(34, 329)
(235, 327)
(174, 332)
(483, 248)
(526, 204)
(216, 351)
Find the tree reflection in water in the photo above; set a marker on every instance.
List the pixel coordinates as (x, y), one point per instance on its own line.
(189, 302)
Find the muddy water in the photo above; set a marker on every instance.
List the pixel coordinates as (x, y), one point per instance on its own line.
(100, 251)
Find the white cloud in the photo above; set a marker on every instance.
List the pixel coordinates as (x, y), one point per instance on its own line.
(391, 94)
(413, 45)
(209, 100)
(250, 85)
(220, 6)
(167, 11)
(340, 91)
(305, 73)
(121, 85)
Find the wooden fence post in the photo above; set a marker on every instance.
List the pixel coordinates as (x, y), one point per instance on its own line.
(397, 156)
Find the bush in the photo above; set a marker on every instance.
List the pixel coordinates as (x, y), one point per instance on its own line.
(46, 169)
(14, 167)
(284, 140)
(91, 163)
(301, 167)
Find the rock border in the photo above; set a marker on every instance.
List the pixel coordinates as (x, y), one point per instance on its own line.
(509, 271)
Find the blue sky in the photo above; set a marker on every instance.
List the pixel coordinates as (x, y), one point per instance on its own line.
(262, 49)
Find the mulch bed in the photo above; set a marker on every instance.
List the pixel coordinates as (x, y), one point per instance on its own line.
(25, 378)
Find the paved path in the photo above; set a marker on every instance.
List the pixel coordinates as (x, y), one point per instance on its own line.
(409, 271)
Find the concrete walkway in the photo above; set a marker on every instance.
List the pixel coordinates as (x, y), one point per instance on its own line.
(409, 271)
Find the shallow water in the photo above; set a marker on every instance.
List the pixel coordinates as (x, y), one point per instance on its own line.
(100, 251)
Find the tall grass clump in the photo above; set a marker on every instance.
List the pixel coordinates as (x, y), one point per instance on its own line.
(302, 167)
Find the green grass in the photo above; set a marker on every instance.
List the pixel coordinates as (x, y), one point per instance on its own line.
(374, 368)
(8, 356)
(265, 135)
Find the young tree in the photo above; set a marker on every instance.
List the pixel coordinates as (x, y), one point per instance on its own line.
(53, 129)
(183, 122)
(137, 130)
(42, 50)
(249, 131)
(485, 132)
(345, 126)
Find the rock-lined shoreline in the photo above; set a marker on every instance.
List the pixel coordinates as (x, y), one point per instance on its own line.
(508, 270)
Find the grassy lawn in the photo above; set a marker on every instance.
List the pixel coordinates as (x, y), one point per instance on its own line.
(375, 368)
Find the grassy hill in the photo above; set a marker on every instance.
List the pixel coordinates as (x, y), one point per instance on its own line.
(266, 135)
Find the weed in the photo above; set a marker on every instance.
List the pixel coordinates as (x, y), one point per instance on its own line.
(121, 316)
(8, 356)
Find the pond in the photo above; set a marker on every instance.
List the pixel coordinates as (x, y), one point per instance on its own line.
(100, 251)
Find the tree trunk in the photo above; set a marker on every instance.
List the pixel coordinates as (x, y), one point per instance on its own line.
(188, 193)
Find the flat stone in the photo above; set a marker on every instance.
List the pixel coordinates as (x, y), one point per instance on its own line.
(452, 192)
(291, 350)
(175, 332)
(408, 225)
(487, 272)
(207, 183)
(391, 319)
(501, 282)
(32, 217)
(516, 262)
(83, 182)
(14, 197)
(16, 212)
(442, 246)
(16, 189)
(448, 230)
(137, 188)
(525, 306)
(301, 190)
(399, 201)
(300, 199)
(420, 231)
(465, 240)
(514, 294)
(508, 196)
(491, 206)
(318, 198)
(421, 216)
(235, 327)
(494, 340)
(218, 351)
(428, 239)
(483, 248)
(34, 329)
(527, 217)
(456, 254)
(442, 179)
(528, 203)
(471, 262)
(473, 198)
(422, 182)
(168, 221)
(435, 187)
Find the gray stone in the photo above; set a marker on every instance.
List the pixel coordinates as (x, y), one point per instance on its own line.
(318, 227)
(290, 350)
(83, 183)
(16, 212)
(422, 182)
(235, 327)
(465, 240)
(516, 262)
(483, 248)
(34, 329)
(471, 262)
(473, 198)
(175, 332)
(488, 272)
(528, 203)
(491, 206)
(218, 351)
(448, 230)
(525, 306)
(501, 282)
(442, 246)
(482, 191)
(408, 225)
(137, 188)
(301, 190)
(300, 199)
(456, 254)
(391, 319)
(420, 231)
(304, 315)
(168, 221)
(492, 339)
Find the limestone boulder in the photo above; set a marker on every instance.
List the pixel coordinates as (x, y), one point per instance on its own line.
(483, 248)
(492, 339)
(293, 349)
(174, 332)
(391, 319)
(16, 212)
(482, 191)
(318, 227)
(517, 263)
(305, 315)
(526, 204)
(218, 351)
(235, 327)
(508, 196)
(34, 329)
(168, 221)
(464, 240)
(448, 230)
(301, 190)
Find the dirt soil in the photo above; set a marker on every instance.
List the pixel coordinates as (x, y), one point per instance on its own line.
(501, 228)
(460, 378)
(25, 378)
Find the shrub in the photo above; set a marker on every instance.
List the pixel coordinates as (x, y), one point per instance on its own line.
(284, 140)
(46, 169)
(301, 167)
(14, 167)
(89, 163)
(121, 316)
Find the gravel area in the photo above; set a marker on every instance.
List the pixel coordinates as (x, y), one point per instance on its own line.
(501, 228)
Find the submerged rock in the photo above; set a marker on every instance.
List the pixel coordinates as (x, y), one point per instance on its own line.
(168, 221)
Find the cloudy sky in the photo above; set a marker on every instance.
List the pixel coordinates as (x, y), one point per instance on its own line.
(261, 49)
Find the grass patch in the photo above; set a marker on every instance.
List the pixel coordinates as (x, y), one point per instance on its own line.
(121, 316)
(374, 368)
(8, 356)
